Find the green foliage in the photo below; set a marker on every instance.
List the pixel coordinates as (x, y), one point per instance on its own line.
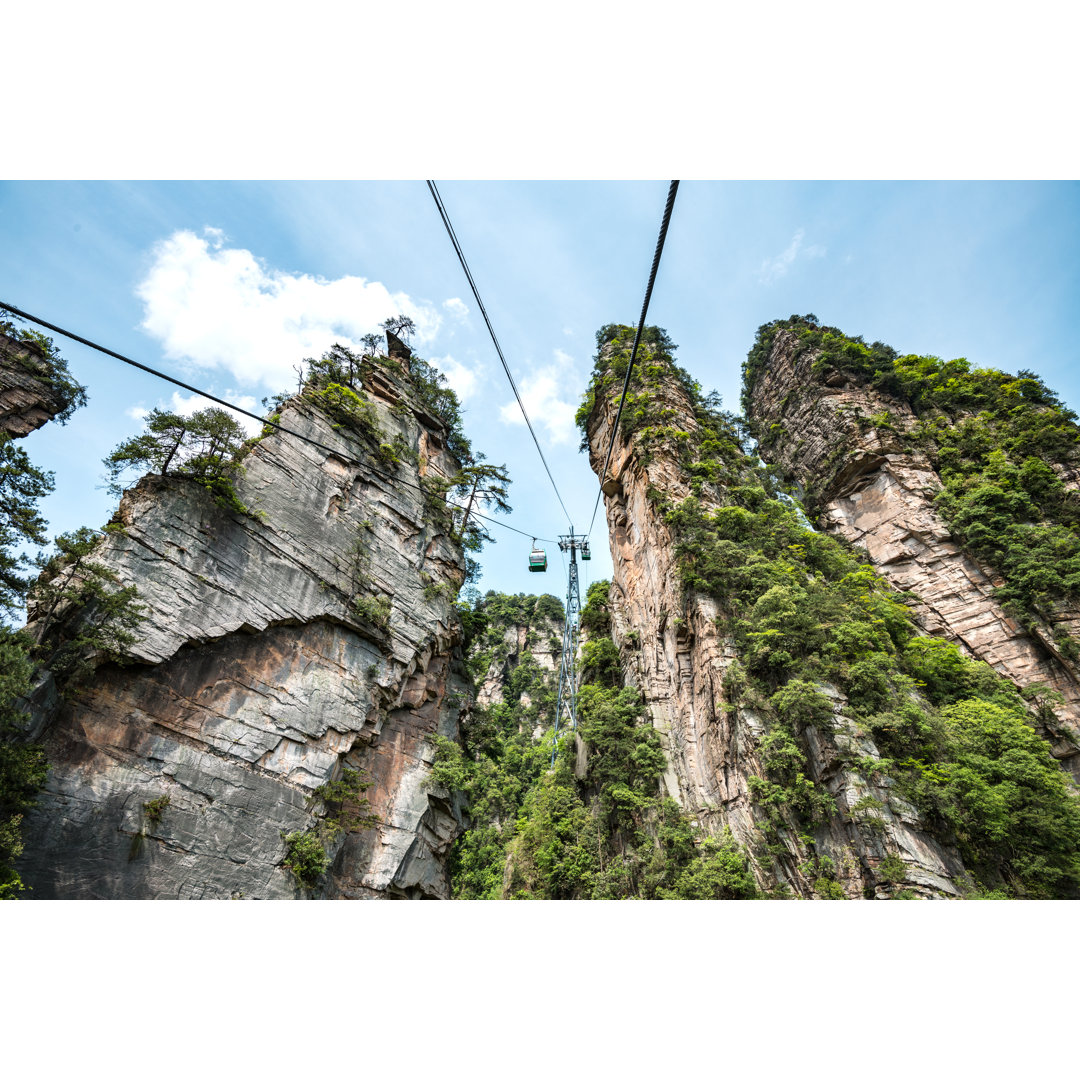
(347, 408)
(600, 662)
(205, 447)
(434, 393)
(479, 488)
(155, 808)
(596, 614)
(1001, 443)
(892, 869)
(21, 486)
(305, 857)
(345, 810)
(1012, 810)
(79, 611)
(543, 833)
(22, 765)
(372, 609)
(614, 345)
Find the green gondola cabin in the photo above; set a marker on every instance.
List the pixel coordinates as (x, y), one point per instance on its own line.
(537, 561)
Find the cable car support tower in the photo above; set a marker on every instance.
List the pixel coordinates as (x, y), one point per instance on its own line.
(568, 675)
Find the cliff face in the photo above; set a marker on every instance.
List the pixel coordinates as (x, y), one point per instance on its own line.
(28, 397)
(522, 632)
(868, 463)
(313, 635)
(677, 647)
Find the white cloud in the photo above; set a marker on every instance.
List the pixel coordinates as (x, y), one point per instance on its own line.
(222, 307)
(544, 394)
(456, 307)
(461, 379)
(776, 267)
(137, 412)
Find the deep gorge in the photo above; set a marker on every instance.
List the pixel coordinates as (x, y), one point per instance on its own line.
(875, 700)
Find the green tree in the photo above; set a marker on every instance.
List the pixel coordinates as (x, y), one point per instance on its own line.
(401, 325)
(78, 611)
(205, 446)
(22, 766)
(482, 487)
(372, 344)
(21, 486)
(337, 365)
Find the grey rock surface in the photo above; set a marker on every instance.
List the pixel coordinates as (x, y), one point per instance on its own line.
(673, 650)
(263, 668)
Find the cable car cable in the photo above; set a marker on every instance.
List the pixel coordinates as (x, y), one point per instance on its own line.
(236, 408)
(498, 348)
(674, 187)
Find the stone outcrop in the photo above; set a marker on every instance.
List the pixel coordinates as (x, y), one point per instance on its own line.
(872, 486)
(673, 649)
(28, 399)
(516, 659)
(543, 642)
(312, 634)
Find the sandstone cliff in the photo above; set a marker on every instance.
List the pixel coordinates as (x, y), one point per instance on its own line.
(314, 634)
(34, 388)
(869, 465)
(784, 677)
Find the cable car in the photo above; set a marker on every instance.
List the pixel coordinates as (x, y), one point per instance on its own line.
(586, 555)
(537, 559)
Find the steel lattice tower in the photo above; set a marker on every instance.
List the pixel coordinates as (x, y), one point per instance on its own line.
(568, 682)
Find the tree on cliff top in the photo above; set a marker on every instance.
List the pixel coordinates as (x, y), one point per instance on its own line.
(204, 446)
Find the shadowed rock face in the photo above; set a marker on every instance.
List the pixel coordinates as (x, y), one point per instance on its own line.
(674, 651)
(874, 488)
(256, 678)
(27, 400)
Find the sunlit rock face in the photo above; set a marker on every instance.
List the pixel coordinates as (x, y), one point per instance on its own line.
(674, 650)
(279, 647)
(875, 487)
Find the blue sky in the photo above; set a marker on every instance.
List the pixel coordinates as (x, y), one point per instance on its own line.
(227, 284)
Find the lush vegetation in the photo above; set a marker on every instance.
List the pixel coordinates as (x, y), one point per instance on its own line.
(206, 447)
(21, 487)
(345, 809)
(78, 609)
(808, 617)
(22, 765)
(540, 832)
(1003, 445)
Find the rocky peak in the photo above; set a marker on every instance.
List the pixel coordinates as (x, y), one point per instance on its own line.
(863, 458)
(797, 702)
(675, 648)
(282, 649)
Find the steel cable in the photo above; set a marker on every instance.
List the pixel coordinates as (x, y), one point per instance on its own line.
(674, 187)
(498, 348)
(244, 412)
